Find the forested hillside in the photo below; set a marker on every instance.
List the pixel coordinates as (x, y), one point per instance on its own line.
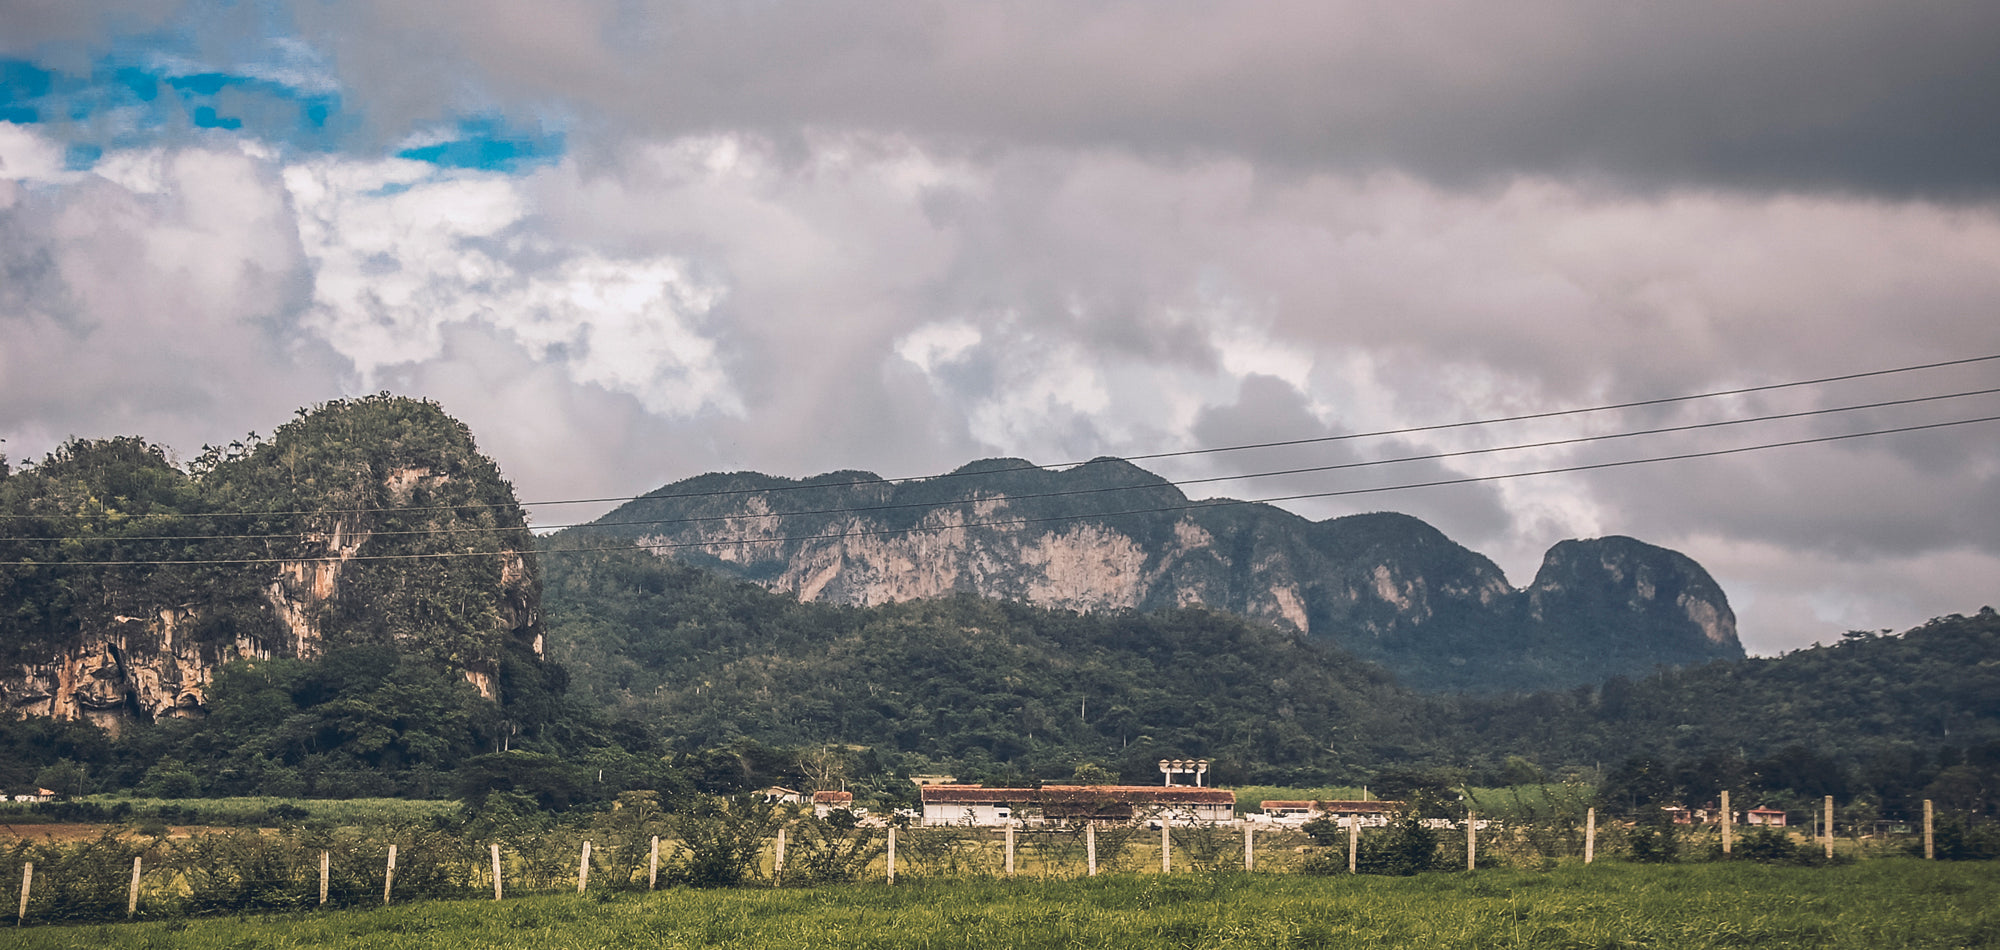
(990, 688)
(962, 683)
(353, 596)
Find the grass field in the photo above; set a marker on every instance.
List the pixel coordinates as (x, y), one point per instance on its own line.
(1890, 903)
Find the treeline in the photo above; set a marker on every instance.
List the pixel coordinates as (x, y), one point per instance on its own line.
(1006, 692)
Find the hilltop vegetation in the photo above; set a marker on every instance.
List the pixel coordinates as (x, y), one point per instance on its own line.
(1107, 535)
(342, 608)
(1010, 693)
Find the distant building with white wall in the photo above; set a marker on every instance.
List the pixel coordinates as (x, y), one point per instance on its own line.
(987, 807)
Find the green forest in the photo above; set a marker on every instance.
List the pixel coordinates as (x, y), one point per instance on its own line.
(666, 677)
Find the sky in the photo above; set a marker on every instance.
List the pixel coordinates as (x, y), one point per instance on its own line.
(629, 242)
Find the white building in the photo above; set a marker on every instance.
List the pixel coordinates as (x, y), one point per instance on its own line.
(981, 806)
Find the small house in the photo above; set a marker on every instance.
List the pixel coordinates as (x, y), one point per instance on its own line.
(825, 803)
(971, 804)
(1765, 816)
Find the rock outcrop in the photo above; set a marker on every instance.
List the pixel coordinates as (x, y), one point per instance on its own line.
(364, 522)
(1109, 535)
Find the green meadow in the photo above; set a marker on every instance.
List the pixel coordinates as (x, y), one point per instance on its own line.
(1886, 903)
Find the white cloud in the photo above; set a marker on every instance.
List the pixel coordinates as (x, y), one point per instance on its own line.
(935, 344)
(403, 250)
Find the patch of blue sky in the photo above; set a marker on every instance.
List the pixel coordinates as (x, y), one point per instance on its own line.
(488, 143)
(135, 100)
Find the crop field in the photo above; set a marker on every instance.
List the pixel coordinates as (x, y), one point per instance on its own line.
(1889, 903)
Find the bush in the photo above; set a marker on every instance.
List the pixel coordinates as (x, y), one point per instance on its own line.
(1957, 839)
(1407, 846)
(824, 852)
(1653, 844)
(1767, 845)
(721, 842)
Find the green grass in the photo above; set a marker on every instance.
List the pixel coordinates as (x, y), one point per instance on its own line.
(1891, 903)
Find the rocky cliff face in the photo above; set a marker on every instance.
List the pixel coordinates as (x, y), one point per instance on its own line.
(1108, 535)
(367, 522)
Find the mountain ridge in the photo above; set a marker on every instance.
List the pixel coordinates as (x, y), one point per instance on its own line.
(1110, 535)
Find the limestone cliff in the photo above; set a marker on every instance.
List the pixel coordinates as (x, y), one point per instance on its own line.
(1108, 535)
(127, 581)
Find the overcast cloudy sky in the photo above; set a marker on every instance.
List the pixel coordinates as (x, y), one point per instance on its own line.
(633, 241)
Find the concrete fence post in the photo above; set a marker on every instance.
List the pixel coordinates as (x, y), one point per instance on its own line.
(1726, 819)
(1166, 846)
(132, 899)
(27, 883)
(1249, 848)
(1589, 835)
(495, 847)
(778, 858)
(583, 868)
(1829, 826)
(1353, 844)
(325, 865)
(1471, 840)
(389, 875)
(1090, 847)
(1010, 846)
(653, 865)
(889, 856)
(1930, 843)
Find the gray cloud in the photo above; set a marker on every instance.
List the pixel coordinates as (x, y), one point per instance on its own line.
(804, 237)
(1852, 96)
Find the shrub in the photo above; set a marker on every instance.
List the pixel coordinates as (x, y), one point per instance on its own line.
(1957, 839)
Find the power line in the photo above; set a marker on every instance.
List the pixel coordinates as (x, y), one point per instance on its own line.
(1177, 483)
(1182, 453)
(1015, 522)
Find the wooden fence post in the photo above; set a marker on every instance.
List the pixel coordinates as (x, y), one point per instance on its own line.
(1010, 846)
(653, 865)
(27, 881)
(1589, 835)
(325, 860)
(496, 870)
(1249, 849)
(1726, 818)
(583, 869)
(1829, 826)
(890, 854)
(1090, 846)
(389, 876)
(132, 900)
(1930, 845)
(1353, 843)
(1471, 840)
(1166, 846)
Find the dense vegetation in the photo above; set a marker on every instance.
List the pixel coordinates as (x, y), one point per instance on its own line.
(985, 688)
(381, 474)
(435, 582)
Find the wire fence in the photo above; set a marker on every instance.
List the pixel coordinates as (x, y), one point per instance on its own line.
(125, 873)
